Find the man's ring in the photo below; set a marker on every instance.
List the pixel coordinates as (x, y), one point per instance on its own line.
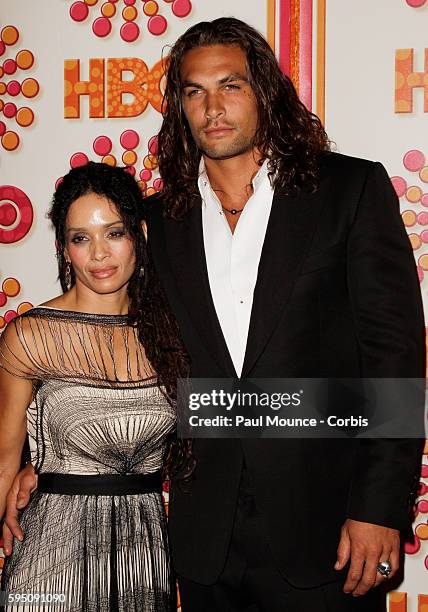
(384, 568)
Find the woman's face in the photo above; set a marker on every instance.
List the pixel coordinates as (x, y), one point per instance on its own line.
(101, 252)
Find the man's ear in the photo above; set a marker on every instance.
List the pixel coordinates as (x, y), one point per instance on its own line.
(143, 227)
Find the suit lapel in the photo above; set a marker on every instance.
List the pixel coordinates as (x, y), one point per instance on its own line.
(186, 252)
(291, 225)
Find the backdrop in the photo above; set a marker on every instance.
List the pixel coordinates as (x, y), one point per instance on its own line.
(82, 80)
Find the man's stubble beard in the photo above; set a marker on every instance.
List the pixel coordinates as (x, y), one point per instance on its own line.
(227, 151)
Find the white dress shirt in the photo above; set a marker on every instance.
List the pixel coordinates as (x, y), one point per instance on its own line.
(233, 259)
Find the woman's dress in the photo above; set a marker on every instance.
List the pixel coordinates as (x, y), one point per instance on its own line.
(97, 411)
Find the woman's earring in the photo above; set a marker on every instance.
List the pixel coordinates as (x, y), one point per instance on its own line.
(67, 275)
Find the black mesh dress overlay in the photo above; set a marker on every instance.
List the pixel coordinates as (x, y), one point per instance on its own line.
(97, 411)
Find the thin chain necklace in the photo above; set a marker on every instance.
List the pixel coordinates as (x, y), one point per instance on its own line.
(234, 211)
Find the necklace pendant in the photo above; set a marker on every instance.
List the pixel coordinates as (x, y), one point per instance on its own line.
(233, 211)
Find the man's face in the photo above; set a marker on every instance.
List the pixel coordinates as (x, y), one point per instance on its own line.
(218, 101)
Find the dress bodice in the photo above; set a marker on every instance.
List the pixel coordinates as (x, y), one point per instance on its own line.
(97, 406)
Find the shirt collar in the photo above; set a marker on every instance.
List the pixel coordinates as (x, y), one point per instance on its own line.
(205, 186)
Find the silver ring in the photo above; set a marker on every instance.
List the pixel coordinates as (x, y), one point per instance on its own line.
(384, 568)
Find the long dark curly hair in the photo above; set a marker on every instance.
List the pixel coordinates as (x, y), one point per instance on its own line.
(148, 307)
(290, 136)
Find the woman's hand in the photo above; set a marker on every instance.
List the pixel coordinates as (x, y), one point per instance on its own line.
(18, 497)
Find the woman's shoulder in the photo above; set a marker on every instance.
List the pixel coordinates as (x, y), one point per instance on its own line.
(45, 309)
(29, 340)
(18, 343)
(24, 326)
(22, 321)
(57, 303)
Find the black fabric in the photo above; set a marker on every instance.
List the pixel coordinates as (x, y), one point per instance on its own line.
(106, 484)
(337, 295)
(251, 582)
(328, 598)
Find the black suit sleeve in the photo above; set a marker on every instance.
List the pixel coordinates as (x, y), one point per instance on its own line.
(388, 317)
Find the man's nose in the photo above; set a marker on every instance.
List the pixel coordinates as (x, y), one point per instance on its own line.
(214, 106)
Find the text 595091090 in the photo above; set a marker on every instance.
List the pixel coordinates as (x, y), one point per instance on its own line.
(31, 598)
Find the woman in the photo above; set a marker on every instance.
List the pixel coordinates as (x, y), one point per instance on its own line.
(95, 529)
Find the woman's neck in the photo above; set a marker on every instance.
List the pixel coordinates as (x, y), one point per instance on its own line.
(82, 299)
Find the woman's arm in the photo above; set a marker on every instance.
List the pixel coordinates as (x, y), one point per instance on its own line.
(15, 396)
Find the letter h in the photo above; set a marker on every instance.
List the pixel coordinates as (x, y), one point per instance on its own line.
(406, 80)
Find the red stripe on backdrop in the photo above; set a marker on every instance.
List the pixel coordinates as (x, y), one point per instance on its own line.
(285, 35)
(305, 53)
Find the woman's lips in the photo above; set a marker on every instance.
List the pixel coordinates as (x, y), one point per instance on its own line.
(103, 272)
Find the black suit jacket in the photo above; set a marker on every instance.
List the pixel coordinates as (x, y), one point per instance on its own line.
(337, 295)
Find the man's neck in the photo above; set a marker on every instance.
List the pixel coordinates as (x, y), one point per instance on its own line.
(233, 177)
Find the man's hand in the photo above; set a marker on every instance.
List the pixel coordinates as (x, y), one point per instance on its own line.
(18, 497)
(366, 545)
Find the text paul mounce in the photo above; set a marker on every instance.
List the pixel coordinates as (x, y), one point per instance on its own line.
(275, 401)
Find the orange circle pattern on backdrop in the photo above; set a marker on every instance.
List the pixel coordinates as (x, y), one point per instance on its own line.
(130, 13)
(25, 59)
(25, 116)
(108, 9)
(9, 35)
(29, 88)
(11, 287)
(10, 141)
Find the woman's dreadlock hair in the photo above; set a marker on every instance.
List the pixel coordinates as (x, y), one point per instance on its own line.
(148, 307)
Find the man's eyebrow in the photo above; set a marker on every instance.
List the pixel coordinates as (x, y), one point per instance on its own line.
(235, 76)
(190, 84)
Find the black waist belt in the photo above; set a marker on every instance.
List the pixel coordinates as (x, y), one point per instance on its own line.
(106, 484)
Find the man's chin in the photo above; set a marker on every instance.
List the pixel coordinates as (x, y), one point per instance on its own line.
(219, 154)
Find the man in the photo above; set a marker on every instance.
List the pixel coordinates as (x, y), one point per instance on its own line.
(280, 259)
